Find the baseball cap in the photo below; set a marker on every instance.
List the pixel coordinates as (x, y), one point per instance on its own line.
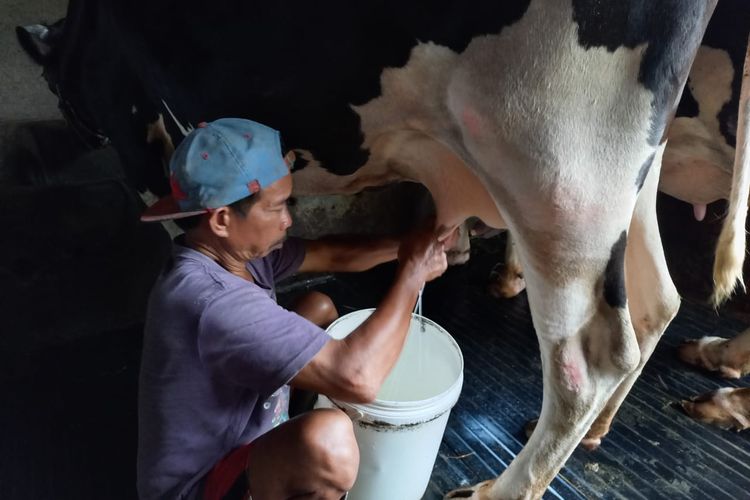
(218, 163)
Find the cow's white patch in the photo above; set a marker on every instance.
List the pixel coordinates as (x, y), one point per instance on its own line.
(565, 133)
(549, 111)
(710, 82)
(697, 165)
(133, 110)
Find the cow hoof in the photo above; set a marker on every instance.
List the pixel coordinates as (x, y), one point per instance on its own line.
(726, 408)
(729, 372)
(693, 352)
(591, 443)
(479, 491)
(505, 283)
(713, 354)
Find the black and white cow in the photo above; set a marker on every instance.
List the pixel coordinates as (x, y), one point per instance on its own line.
(544, 116)
(697, 162)
(697, 169)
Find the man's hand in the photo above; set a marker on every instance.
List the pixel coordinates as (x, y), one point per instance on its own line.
(449, 236)
(353, 369)
(422, 253)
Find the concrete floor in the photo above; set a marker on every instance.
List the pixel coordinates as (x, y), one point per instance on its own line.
(23, 93)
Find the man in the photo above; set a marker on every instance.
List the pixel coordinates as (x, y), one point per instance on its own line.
(219, 352)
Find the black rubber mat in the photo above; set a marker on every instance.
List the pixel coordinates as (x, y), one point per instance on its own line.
(69, 406)
(653, 450)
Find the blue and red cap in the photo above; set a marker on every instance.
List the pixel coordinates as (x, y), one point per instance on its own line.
(218, 163)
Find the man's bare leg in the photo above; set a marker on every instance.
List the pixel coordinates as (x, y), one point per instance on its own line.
(312, 456)
(317, 308)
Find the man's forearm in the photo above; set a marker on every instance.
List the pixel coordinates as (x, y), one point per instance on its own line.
(374, 347)
(349, 253)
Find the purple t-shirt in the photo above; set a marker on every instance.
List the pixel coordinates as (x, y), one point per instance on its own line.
(217, 355)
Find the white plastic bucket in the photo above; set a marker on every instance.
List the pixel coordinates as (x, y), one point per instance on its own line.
(400, 432)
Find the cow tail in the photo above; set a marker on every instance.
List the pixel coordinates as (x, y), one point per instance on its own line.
(730, 250)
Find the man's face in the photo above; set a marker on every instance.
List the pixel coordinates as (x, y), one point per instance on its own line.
(263, 228)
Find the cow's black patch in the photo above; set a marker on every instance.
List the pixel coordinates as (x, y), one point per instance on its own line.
(728, 120)
(454, 23)
(643, 172)
(461, 494)
(297, 66)
(614, 274)
(672, 30)
(729, 30)
(688, 107)
(299, 162)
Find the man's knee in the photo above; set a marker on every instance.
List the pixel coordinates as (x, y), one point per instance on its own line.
(329, 437)
(327, 308)
(317, 307)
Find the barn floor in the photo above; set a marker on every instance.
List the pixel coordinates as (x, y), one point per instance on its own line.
(653, 451)
(68, 425)
(74, 274)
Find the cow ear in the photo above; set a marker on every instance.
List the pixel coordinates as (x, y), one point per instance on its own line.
(289, 158)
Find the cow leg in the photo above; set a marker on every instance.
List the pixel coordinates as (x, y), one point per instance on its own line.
(652, 297)
(506, 279)
(574, 267)
(587, 348)
(461, 251)
(729, 357)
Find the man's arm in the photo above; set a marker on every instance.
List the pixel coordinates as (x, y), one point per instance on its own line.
(354, 368)
(347, 253)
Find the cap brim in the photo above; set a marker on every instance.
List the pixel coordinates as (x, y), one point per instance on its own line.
(166, 209)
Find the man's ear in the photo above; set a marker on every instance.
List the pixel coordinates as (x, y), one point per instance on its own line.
(219, 221)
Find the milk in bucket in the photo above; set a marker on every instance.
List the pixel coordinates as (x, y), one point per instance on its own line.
(400, 432)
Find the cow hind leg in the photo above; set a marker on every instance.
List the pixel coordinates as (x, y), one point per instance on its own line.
(461, 251)
(587, 343)
(506, 279)
(652, 298)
